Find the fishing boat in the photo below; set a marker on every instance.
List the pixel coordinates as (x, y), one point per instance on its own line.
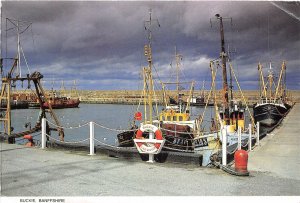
(197, 101)
(16, 104)
(9, 79)
(61, 102)
(230, 112)
(273, 104)
(200, 100)
(58, 101)
(173, 128)
(175, 120)
(33, 105)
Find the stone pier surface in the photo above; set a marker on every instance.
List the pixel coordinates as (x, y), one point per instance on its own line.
(274, 171)
(279, 153)
(52, 172)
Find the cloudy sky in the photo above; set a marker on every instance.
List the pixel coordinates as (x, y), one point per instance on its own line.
(100, 44)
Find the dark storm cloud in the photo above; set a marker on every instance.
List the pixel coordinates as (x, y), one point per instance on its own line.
(100, 44)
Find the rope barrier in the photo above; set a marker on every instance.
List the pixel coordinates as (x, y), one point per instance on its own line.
(112, 145)
(79, 126)
(116, 147)
(82, 125)
(117, 130)
(81, 141)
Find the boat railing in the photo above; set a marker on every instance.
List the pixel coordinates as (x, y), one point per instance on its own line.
(271, 100)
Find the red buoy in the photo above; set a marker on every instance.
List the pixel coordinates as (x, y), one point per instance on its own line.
(138, 116)
(30, 142)
(241, 160)
(28, 137)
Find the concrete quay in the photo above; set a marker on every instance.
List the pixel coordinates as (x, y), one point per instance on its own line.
(52, 172)
(274, 171)
(279, 153)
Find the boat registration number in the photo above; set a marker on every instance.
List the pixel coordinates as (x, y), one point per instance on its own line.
(201, 142)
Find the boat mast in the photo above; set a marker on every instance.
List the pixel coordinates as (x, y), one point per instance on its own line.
(19, 53)
(10, 78)
(280, 86)
(147, 71)
(202, 92)
(230, 74)
(223, 56)
(1, 57)
(262, 85)
(178, 58)
(270, 80)
(284, 82)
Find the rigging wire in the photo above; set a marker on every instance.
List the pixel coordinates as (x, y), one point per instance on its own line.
(33, 41)
(25, 60)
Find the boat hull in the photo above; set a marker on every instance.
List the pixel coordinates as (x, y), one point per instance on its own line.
(16, 104)
(177, 136)
(269, 114)
(34, 105)
(201, 104)
(62, 103)
(125, 139)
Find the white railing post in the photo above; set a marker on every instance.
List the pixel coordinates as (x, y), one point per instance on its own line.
(257, 129)
(250, 138)
(43, 133)
(224, 146)
(239, 138)
(151, 156)
(92, 136)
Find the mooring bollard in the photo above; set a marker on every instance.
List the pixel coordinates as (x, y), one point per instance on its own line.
(239, 138)
(257, 129)
(250, 138)
(224, 146)
(43, 133)
(92, 136)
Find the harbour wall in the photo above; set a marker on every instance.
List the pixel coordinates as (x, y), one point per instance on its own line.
(136, 96)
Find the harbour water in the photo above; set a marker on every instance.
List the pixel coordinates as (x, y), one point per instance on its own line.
(111, 116)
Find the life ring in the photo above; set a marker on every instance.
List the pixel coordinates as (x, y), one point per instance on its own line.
(155, 130)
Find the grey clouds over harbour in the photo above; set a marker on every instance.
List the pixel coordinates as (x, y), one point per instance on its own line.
(100, 44)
